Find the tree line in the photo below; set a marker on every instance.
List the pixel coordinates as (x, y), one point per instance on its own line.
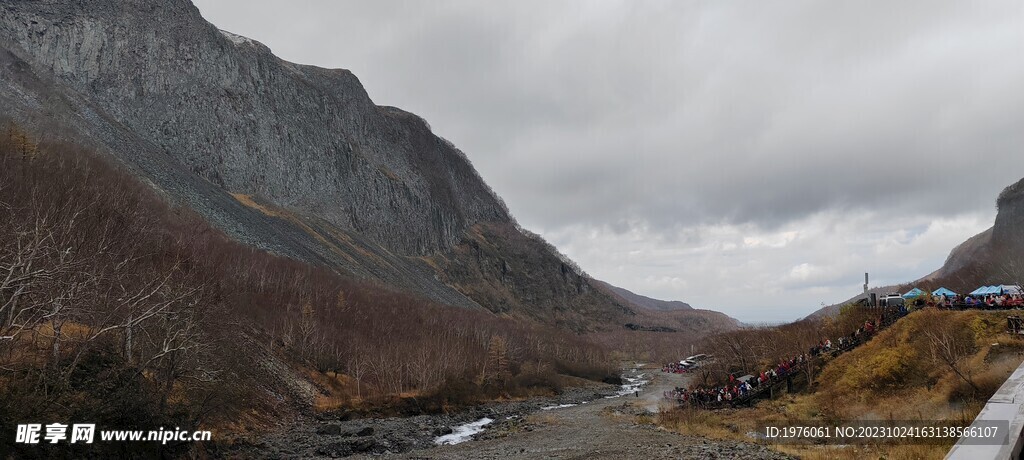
(117, 305)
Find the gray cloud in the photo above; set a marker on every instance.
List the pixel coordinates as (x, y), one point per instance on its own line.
(671, 121)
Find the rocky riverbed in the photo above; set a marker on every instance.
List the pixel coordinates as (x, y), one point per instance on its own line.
(597, 422)
(338, 436)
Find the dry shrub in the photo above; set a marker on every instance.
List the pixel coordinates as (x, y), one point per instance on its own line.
(988, 378)
(907, 356)
(897, 452)
(709, 424)
(543, 419)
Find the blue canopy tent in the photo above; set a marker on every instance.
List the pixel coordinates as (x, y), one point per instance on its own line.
(980, 291)
(987, 290)
(943, 291)
(1009, 289)
(916, 292)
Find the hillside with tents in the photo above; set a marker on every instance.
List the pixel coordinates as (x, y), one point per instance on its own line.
(987, 297)
(993, 256)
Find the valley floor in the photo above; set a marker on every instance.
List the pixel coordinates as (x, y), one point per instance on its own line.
(594, 422)
(603, 428)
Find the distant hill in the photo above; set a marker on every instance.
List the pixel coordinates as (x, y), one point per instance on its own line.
(644, 301)
(833, 310)
(666, 316)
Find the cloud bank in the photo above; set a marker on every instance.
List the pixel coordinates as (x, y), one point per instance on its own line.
(752, 157)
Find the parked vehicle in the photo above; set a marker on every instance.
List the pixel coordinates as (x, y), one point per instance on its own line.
(694, 361)
(891, 300)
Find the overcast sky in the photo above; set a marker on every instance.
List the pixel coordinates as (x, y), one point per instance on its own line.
(751, 157)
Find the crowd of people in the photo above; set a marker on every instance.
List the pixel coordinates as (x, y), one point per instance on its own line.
(743, 387)
(988, 301)
(675, 368)
(736, 389)
(739, 389)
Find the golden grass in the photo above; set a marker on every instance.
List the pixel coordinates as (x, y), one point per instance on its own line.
(737, 424)
(389, 174)
(900, 452)
(429, 260)
(35, 345)
(248, 201)
(543, 419)
(874, 383)
(324, 403)
(337, 390)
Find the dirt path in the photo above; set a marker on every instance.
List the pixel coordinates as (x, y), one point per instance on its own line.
(604, 428)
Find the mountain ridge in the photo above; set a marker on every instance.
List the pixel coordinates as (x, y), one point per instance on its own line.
(293, 159)
(644, 301)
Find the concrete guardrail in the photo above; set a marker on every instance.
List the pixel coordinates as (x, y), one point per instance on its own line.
(1006, 404)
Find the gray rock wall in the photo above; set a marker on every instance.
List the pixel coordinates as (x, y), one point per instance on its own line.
(301, 137)
(199, 113)
(1008, 232)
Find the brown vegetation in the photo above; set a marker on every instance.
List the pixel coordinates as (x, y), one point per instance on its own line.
(120, 309)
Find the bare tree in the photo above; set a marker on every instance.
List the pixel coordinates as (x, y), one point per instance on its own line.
(357, 367)
(177, 345)
(951, 345)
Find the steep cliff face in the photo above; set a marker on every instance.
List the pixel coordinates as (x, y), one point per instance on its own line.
(35, 100)
(1008, 231)
(288, 158)
(994, 256)
(300, 137)
(512, 273)
(963, 256)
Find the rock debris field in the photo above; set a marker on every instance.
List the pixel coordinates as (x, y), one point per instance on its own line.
(599, 422)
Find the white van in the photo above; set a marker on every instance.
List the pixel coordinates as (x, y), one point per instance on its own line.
(694, 361)
(891, 300)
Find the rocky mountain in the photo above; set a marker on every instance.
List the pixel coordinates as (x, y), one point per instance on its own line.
(962, 255)
(289, 158)
(644, 301)
(991, 257)
(1008, 231)
(301, 137)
